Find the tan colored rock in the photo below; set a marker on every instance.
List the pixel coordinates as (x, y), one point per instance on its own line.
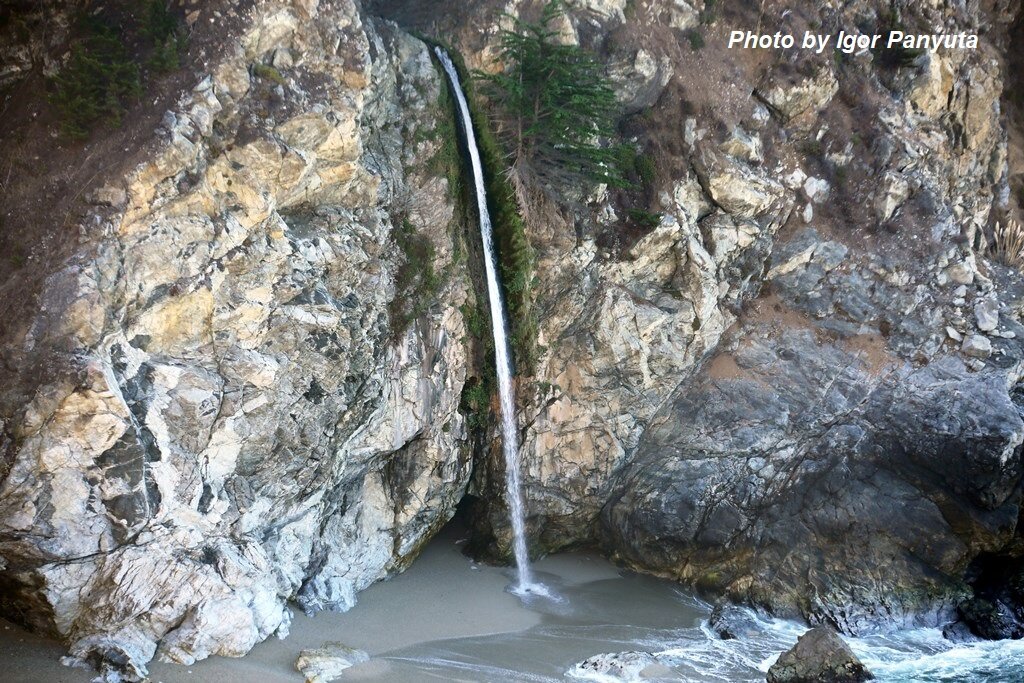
(109, 195)
(325, 664)
(893, 190)
(685, 14)
(736, 187)
(743, 145)
(225, 380)
(790, 98)
(930, 91)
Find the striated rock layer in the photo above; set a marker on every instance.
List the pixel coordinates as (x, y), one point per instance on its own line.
(213, 411)
(854, 444)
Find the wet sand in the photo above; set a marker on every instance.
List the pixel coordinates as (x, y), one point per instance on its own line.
(444, 595)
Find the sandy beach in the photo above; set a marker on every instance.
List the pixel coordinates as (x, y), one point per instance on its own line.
(443, 596)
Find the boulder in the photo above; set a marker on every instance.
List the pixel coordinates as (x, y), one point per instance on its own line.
(977, 346)
(639, 78)
(618, 666)
(325, 664)
(791, 469)
(819, 656)
(736, 187)
(993, 619)
(731, 622)
(793, 96)
(986, 313)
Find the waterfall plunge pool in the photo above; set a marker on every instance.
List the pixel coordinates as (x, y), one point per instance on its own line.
(450, 619)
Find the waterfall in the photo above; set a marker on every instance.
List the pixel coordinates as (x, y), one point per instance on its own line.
(502, 356)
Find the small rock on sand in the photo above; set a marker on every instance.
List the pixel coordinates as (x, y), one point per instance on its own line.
(618, 666)
(324, 664)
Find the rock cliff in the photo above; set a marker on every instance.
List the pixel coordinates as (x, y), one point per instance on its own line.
(216, 407)
(798, 385)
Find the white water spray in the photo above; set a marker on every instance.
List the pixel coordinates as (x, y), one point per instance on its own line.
(503, 361)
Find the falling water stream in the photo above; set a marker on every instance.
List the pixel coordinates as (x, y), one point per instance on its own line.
(502, 357)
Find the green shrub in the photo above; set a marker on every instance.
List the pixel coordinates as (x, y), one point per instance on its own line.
(97, 81)
(645, 219)
(516, 255)
(446, 161)
(709, 14)
(812, 148)
(416, 282)
(696, 38)
(102, 75)
(165, 33)
(268, 73)
(475, 401)
(476, 322)
(638, 168)
(841, 175)
(645, 169)
(899, 56)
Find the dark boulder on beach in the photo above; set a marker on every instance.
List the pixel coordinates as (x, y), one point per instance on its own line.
(819, 656)
(730, 622)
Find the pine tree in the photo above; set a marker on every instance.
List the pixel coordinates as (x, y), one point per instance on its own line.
(555, 106)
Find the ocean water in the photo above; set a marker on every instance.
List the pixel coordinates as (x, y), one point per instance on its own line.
(634, 613)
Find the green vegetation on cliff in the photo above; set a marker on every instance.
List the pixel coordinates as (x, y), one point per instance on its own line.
(416, 282)
(97, 81)
(515, 254)
(102, 74)
(166, 34)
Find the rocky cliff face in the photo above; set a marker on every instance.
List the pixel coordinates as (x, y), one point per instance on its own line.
(214, 409)
(800, 388)
(854, 443)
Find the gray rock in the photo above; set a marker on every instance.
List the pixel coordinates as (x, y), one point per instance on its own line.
(617, 666)
(822, 468)
(977, 346)
(995, 611)
(639, 78)
(732, 622)
(819, 656)
(986, 313)
(327, 663)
